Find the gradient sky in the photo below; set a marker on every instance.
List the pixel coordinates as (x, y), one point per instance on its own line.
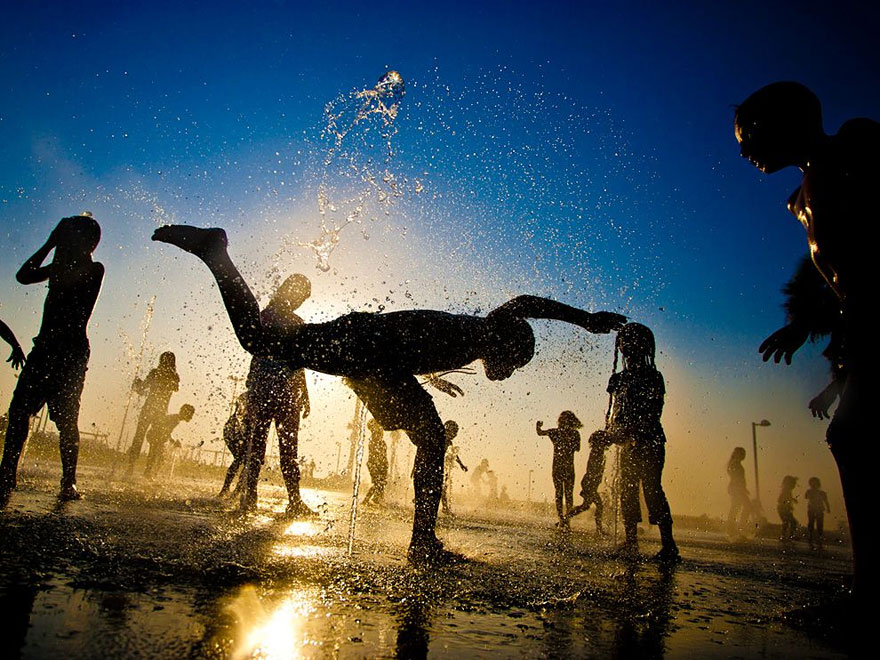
(577, 151)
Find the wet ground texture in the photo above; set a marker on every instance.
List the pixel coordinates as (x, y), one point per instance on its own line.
(163, 570)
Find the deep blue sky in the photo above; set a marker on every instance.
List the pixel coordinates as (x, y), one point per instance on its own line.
(590, 142)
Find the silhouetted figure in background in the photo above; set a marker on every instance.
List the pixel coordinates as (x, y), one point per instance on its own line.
(235, 436)
(17, 356)
(158, 387)
(785, 508)
(56, 366)
(566, 441)
(277, 393)
(377, 463)
(451, 458)
(381, 354)
(740, 500)
(159, 436)
(599, 443)
(637, 394)
(779, 126)
(817, 505)
(477, 478)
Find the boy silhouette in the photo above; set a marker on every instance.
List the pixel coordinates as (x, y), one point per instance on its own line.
(277, 392)
(380, 356)
(56, 366)
(778, 126)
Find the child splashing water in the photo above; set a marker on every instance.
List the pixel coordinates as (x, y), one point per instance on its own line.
(637, 394)
(380, 355)
(566, 441)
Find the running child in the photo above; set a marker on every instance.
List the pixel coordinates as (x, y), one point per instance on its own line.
(566, 441)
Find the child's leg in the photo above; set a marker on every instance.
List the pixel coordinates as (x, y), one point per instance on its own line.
(145, 419)
(27, 399)
(569, 490)
(259, 419)
(651, 460)
(287, 425)
(209, 245)
(820, 528)
(629, 495)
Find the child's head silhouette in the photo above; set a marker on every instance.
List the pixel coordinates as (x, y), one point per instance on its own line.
(636, 344)
(568, 420)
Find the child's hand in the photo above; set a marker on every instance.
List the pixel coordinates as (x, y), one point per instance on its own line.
(539, 426)
(17, 358)
(783, 343)
(603, 322)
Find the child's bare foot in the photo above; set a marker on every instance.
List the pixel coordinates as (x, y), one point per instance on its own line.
(195, 240)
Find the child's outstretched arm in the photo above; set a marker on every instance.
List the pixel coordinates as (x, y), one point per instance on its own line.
(209, 245)
(534, 307)
(539, 428)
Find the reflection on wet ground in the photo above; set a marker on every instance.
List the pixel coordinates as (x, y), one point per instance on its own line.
(136, 570)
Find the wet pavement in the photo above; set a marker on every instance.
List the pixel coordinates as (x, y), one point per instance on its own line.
(168, 571)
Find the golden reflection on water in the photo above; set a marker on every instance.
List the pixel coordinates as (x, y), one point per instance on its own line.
(307, 551)
(302, 528)
(272, 631)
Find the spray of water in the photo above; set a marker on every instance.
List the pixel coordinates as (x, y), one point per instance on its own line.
(358, 459)
(358, 180)
(147, 322)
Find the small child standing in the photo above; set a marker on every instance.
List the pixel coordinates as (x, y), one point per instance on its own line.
(637, 396)
(566, 441)
(159, 435)
(785, 508)
(599, 442)
(817, 505)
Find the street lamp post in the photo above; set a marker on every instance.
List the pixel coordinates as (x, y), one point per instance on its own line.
(529, 488)
(338, 455)
(755, 425)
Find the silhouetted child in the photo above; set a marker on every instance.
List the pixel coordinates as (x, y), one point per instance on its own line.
(599, 443)
(277, 393)
(740, 501)
(817, 505)
(235, 436)
(566, 441)
(377, 463)
(779, 126)
(449, 464)
(159, 436)
(785, 507)
(637, 394)
(380, 355)
(158, 387)
(56, 366)
(17, 356)
(477, 478)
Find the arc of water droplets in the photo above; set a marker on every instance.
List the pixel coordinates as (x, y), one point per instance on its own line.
(382, 100)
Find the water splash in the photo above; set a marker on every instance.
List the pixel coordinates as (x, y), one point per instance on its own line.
(358, 180)
(358, 459)
(145, 329)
